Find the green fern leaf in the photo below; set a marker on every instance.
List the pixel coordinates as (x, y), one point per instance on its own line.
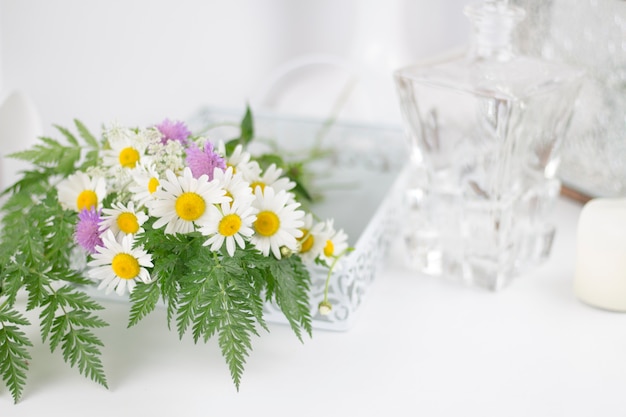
(292, 283)
(192, 290)
(244, 282)
(14, 355)
(68, 135)
(236, 328)
(37, 289)
(85, 319)
(76, 299)
(81, 348)
(47, 315)
(85, 134)
(8, 315)
(144, 299)
(60, 326)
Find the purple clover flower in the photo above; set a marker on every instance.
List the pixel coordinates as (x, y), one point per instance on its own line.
(173, 131)
(87, 234)
(203, 162)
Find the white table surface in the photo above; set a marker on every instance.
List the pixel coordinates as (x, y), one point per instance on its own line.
(421, 347)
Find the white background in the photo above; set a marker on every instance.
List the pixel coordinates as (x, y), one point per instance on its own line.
(140, 61)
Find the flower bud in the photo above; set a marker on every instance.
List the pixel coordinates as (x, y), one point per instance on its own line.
(325, 308)
(285, 252)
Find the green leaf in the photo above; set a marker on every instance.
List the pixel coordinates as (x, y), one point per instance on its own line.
(236, 326)
(144, 299)
(81, 348)
(67, 318)
(58, 329)
(36, 286)
(65, 309)
(247, 127)
(246, 132)
(46, 317)
(85, 319)
(61, 158)
(32, 183)
(14, 355)
(291, 286)
(268, 159)
(68, 135)
(243, 282)
(91, 159)
(12, 280)
(192, 290)
(8, 315)
(301, 190)
(234, 338)
(85, 134)
(76, 299)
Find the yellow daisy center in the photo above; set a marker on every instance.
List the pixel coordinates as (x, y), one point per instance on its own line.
(229, 225)
(329, 249)
(153, 184)
(306, 241)
(86, 200)
(259, 184)
(125, 266)
(233, 167)
(190, 206)
(129, 157)
(127, 222)
(267, 223)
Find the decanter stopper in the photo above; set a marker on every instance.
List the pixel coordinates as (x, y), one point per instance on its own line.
(493, 24)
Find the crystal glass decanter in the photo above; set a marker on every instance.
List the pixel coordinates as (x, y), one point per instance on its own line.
(485, 131)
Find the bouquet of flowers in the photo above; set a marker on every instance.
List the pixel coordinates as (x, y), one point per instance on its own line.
(157, 215)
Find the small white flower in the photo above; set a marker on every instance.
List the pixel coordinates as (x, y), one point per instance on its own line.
(235, 186)
(146, 181)
(80, 191)
(231, 224)
(272, 178)
(336, 245)
(126, 150)
(117, 264)
(240, 161)
(313, 240)
(166, 156)
(185, 202)
(277, 223)
(123, 220)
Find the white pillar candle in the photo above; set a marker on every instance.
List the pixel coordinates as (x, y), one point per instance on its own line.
(600, 276)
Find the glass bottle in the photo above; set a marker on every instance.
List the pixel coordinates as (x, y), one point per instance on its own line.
(485, 131)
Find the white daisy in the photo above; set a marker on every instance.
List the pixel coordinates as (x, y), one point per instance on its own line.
(240, 161)
(117, 264)
(336, 245)
(234, 184)
(277, 222)
(313, 240)
(80, 191)
(185, 202)
(146, 181)
(272, 178)
(126, 150)
(231, 224)
(123, 220)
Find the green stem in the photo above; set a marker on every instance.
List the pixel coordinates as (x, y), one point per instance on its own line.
(4, 304)
(330, 272)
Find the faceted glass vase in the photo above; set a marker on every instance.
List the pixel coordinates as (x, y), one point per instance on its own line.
(485, 131)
